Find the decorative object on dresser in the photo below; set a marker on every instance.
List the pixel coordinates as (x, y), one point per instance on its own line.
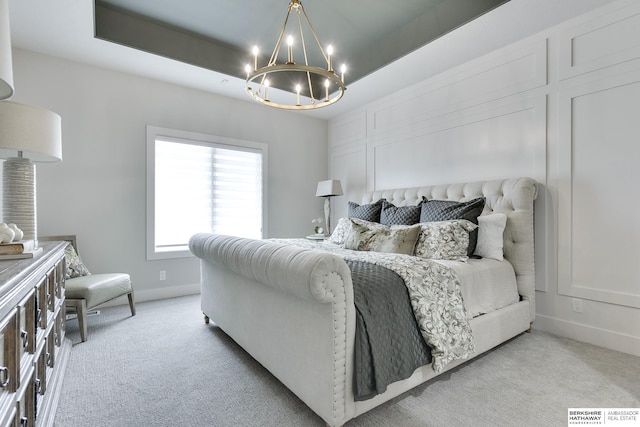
(27, 134)
(328, 189)
(86, 291)
(34, 350)
(6, 63)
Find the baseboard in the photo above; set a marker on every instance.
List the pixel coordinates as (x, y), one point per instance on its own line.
(156, 294)
(596, 336)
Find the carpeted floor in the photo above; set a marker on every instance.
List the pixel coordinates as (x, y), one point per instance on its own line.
(165, 367)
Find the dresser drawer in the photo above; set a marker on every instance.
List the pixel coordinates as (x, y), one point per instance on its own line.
(27, 328)
(27, 402)
(42, 296)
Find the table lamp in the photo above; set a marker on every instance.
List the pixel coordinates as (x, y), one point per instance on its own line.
(27, 134)
(6, 64)
(328, 189)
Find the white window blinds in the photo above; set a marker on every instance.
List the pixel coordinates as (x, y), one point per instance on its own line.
(204, 187)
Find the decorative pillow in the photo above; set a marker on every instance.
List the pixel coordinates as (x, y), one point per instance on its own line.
(382, 238)
(75, 267)
(405, 215)
(491, 236)
(340, 232)
(444, 239)
(369, 212)
(445, 210)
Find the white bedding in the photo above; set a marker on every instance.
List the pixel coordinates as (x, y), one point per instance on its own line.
(486, 284)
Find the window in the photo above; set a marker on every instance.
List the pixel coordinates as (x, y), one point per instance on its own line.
(201, 183)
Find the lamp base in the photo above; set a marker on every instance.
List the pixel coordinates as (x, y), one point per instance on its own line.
(19, 195)
(327, 215)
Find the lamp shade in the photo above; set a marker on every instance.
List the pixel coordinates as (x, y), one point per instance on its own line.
(34, 131)
(6, 63)
(329, 188)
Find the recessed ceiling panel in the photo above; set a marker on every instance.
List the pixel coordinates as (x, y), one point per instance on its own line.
(366, 34)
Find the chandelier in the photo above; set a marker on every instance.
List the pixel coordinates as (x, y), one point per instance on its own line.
(302, 86)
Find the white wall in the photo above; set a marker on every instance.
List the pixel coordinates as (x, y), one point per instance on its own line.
(98, 191)
(561, 107)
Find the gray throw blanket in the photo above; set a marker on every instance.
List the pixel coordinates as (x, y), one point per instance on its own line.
(388, 344)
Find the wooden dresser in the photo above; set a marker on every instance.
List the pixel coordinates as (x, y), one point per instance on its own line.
(34, 351)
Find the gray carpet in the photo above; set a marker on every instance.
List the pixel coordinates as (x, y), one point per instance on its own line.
(165, 367)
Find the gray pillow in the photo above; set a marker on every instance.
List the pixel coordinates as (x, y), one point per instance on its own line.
(391, 214)
(370, 212)
(446, 210)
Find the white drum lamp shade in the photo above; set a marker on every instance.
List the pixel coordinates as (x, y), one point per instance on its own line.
(6, 63)
(328, 189)
(27, 134)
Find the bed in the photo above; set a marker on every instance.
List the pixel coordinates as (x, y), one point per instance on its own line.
(290, 304)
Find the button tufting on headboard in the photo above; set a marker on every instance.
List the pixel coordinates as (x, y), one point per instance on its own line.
(514, 197)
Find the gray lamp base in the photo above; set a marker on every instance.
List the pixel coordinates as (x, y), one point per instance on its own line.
(19, 195)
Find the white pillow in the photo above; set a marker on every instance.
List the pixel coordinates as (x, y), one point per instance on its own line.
(340, 232)
(491, 236)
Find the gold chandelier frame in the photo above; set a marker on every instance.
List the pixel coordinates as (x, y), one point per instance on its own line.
(306, 94)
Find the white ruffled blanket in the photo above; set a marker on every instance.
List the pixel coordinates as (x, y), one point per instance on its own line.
(435, 296)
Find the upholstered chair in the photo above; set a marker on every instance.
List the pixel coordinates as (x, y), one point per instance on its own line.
(86, 291)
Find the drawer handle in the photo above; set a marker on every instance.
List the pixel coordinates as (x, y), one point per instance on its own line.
(55, 339)
(38, 385)
(24, 422)
(4, 376)
(25, 338)
(47, 359)
(38, 315)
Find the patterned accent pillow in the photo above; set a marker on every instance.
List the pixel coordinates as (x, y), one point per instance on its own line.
(340, 232)
(491, 236)
(369, 212)
(75, 267)
(446, 210)
(444, 239)
(405, 215)
(382, 238)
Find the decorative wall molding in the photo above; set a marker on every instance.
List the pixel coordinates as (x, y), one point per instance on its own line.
(510, 71)
(508, 134)
(597, 206)
(601, 42)
(348, 128)
(348, 163)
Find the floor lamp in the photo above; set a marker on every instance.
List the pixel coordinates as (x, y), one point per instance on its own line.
(27, 134)
(328, 189)
(6, 63)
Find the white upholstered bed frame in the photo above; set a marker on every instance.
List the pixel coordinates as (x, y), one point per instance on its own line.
(292, 309)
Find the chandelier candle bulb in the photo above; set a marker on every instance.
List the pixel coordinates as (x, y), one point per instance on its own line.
(290, 49)
(329, 53)
(255, 58)
(298, 94)
(326, 88)
(344, 70)
(266, 89)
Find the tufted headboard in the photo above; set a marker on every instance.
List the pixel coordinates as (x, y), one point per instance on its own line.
(514, 197)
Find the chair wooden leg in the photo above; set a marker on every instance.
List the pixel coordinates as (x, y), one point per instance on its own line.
(81, 312)
(131, 303)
